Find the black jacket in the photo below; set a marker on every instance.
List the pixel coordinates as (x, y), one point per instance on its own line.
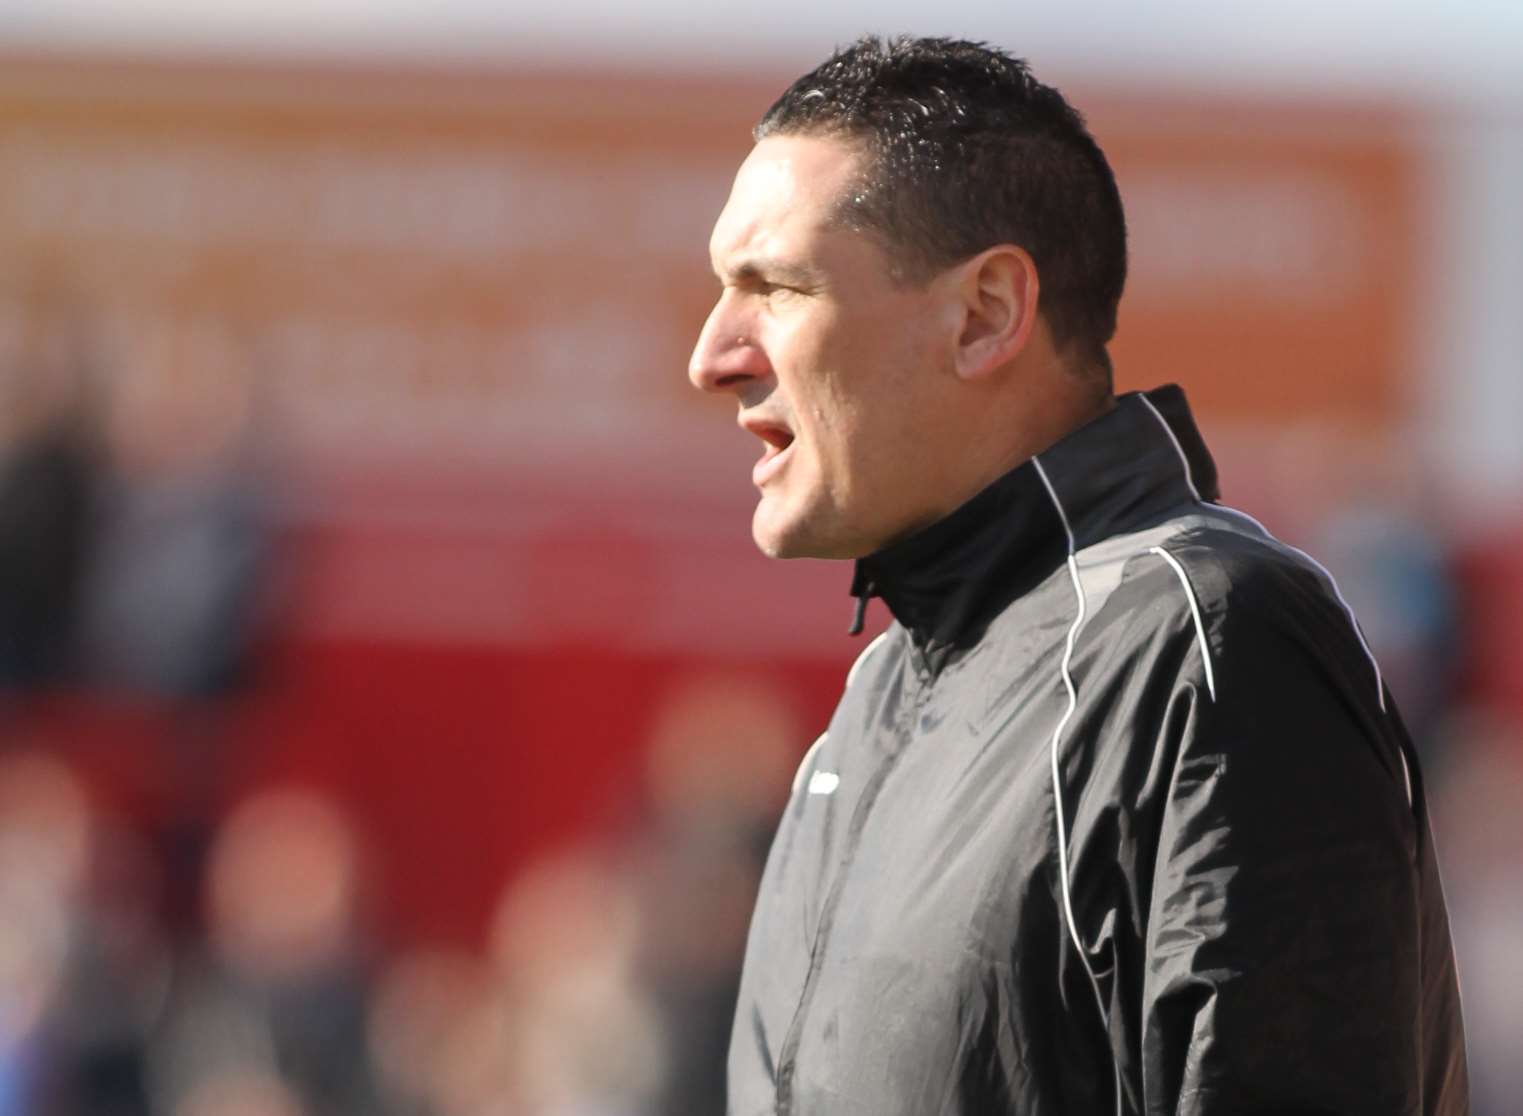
(1117, 816)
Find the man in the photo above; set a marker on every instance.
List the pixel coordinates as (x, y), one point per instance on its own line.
(1117, 815)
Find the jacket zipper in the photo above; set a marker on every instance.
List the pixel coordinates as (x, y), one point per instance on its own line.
(788, 1054)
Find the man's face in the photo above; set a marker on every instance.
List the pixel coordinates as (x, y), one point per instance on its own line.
(835, 365)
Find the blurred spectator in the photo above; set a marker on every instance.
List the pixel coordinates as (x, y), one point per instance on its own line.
(615, 965)
(583, 1037)
(438, 1036)
(237, 1092)
(282, 992)
(1397, 576)
(170, 605)
(1477, 785)
(48, 481)
(117, 985)
(44, 843)
(721, 754)
(81, 966)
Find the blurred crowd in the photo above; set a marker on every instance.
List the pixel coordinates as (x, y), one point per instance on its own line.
(226, 958)
(605, 985)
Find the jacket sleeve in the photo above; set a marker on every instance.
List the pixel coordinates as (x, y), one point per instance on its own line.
(1282, 945)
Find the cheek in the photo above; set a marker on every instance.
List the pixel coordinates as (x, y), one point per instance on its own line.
(858, 380)
(887, 380)
(822, 395)
(839, 424)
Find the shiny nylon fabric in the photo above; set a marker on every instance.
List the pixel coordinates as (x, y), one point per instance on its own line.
(1261, 920)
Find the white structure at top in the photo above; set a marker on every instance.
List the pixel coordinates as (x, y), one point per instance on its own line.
(1466, 49)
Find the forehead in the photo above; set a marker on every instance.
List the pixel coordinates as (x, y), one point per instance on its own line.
(788, 188)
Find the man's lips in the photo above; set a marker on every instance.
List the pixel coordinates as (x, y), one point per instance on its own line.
(779, 441)
(770, 464)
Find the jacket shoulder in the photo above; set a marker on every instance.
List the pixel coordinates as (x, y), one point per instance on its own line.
(1249, 579)
(1256, 601)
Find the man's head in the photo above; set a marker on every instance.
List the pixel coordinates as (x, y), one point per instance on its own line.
(921, 260)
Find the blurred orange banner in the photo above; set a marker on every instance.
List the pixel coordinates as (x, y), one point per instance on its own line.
(470, 294)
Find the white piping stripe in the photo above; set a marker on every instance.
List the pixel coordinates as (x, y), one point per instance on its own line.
(1332, 583)
(1380, 693)
(1067, 530)
(1200, 629)
(1057, 781)
(1179, 449)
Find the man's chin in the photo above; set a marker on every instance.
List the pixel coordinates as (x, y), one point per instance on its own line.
(774, 544)
(780, 537)
(775, 535)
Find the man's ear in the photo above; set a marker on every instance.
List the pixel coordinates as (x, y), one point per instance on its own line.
(998, 293)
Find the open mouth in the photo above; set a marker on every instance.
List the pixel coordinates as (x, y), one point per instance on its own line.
(775, 436)
(779, 441)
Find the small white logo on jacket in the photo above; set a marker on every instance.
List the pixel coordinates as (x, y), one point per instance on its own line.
(824, 782)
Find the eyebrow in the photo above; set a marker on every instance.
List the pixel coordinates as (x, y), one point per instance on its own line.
(766, 269)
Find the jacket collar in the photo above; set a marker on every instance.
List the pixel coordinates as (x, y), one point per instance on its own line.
(947, 582)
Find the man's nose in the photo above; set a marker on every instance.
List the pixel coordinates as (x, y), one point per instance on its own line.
(726, 358)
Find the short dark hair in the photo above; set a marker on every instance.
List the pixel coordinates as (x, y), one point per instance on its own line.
(965, 150)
